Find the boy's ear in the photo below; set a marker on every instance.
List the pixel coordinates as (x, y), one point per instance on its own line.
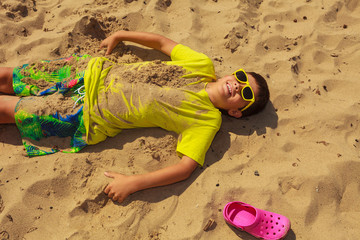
(236, 113)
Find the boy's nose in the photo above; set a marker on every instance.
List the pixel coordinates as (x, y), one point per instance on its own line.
(237, 87)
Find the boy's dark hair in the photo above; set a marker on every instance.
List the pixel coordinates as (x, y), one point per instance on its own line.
(263, 96)
(261, 100)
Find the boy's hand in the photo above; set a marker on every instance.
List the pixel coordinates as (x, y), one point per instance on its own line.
(110, 43)
(121, 187)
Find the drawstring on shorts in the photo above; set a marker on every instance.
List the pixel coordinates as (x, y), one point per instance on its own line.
(82, 95)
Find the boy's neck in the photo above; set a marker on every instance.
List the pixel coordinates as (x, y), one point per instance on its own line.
(210, 91)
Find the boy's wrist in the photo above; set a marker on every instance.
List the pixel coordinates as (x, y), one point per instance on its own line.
(119, 35)
(137, 183)
(142, 181)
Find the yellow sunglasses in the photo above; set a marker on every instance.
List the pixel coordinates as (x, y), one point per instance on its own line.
(246, 92)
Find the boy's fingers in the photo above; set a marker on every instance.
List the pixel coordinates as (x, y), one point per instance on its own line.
(108, 48)
(120, 199)
(107, 189)
(109, 174)
(102, 44)
(111, 194)
(116, 197)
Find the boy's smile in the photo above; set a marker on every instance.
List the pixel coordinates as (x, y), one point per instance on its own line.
(232, 89)
(225, 94)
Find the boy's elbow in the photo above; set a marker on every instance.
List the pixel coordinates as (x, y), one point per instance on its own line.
(187, 173)
(166, 45)
(188, 166)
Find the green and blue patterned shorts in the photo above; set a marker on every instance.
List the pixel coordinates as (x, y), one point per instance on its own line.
(49, 114)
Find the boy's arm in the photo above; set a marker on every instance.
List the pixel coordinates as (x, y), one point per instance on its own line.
(122, 185)
(151, 40)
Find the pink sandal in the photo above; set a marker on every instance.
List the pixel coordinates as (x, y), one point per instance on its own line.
(257, 222)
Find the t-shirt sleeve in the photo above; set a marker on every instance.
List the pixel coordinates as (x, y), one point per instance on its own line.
(196, 64)
(195, 142)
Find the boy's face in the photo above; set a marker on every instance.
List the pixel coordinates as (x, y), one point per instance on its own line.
(225, 94)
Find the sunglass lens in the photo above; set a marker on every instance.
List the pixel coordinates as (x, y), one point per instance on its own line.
(248, 94)
(241, 76)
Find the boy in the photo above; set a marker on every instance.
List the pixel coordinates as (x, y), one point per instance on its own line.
(111, 104)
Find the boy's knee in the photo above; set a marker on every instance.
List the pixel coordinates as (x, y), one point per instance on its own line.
(7, 108)
(6, 80)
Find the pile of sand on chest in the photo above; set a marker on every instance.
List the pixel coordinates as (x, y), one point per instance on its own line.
(149, 80)
(152, 73)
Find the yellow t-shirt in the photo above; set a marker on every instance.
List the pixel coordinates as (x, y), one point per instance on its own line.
(112, 104)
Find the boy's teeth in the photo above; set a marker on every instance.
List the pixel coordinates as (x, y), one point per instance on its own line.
(228, 88)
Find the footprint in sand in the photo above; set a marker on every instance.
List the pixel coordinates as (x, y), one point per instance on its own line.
(322, 57)
(90, 205)
(329, 41)
(17, 10)
(50, 189)
(337, 189)
(89, 26)
(352, 5)
(236, 37)
(163, 4)
(331, 15)
(277, 43)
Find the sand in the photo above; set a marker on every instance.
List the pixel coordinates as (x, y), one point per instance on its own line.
(299, 158)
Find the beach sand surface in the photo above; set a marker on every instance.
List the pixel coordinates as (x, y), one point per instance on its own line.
(300, 157)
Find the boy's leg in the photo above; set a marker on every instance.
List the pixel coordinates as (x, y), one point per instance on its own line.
(6, 80)
(7, 108)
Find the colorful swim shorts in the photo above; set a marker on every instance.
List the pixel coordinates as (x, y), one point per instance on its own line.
(49, 114)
